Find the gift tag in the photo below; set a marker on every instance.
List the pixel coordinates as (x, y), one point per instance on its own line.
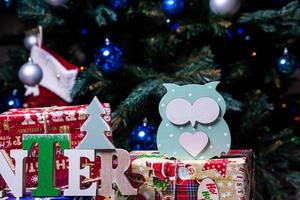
(208, 189)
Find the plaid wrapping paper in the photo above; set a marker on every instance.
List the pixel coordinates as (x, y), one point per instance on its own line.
(163, 178)
(66, 119)
(187, 190)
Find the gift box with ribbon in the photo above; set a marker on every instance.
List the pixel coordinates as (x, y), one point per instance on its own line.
(49, 120)
(229, 177)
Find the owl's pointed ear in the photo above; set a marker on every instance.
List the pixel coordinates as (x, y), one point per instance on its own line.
(170, 86)
(213, 84)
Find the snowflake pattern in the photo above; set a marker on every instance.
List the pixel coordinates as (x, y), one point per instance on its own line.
(220, 184)
(229, 184)
(226, 194)
(34, 179)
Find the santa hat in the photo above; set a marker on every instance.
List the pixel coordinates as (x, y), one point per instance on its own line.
(59, 77)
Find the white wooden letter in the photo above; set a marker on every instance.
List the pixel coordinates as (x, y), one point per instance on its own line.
(14, 176)
(75, 172)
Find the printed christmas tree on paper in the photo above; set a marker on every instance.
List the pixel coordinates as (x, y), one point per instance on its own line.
(95, 126)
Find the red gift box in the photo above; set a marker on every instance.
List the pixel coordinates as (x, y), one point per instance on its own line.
(68, 119)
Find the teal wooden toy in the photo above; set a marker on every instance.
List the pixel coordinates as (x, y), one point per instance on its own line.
(192, 124)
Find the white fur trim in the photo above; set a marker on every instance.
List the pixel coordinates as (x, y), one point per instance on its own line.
(51, 67)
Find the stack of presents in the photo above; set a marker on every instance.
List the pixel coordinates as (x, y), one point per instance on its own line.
(155, 174)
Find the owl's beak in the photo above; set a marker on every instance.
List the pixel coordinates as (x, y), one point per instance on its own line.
(193, 122)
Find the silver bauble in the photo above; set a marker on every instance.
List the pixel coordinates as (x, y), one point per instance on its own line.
(30, 74)
(56, 2)
(224, 7)
(30, 41)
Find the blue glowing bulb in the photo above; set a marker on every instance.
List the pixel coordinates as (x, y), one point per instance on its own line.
(286, 64)
(84, 31)
(175, 26)
(240, 31)
(247, 37)
(118, 4)
(229, 34)
(109, 58)
(170, 2)
(282, 61)
(172, 7)
(143, 137)
(106, 53)
(11, 102)
(7, 3)
(141, 134)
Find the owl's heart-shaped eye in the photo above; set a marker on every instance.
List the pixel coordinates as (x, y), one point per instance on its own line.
(204, 110)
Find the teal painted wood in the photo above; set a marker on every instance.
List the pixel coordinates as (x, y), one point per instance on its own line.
(193, 109)
(95, 126)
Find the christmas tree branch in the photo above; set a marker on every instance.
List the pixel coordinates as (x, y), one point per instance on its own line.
(129, 107)
(141, 73)
(90, 80)
(9, 70)
(38, 11)
(280, 149)
(103, 15)
(231, 103)
(256, 110)
(285, 21)
(147, 9)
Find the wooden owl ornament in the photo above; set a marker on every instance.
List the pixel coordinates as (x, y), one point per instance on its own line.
(192, 124)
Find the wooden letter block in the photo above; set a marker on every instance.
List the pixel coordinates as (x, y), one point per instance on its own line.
(117, 175)
(75, 172)
(14, 176)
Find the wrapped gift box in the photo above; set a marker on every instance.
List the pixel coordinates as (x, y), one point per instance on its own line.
(227, 178)
(68, 119)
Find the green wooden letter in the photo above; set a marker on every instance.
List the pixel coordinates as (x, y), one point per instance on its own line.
(46, 164)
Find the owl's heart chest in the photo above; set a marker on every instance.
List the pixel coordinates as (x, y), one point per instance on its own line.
(193, 143)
